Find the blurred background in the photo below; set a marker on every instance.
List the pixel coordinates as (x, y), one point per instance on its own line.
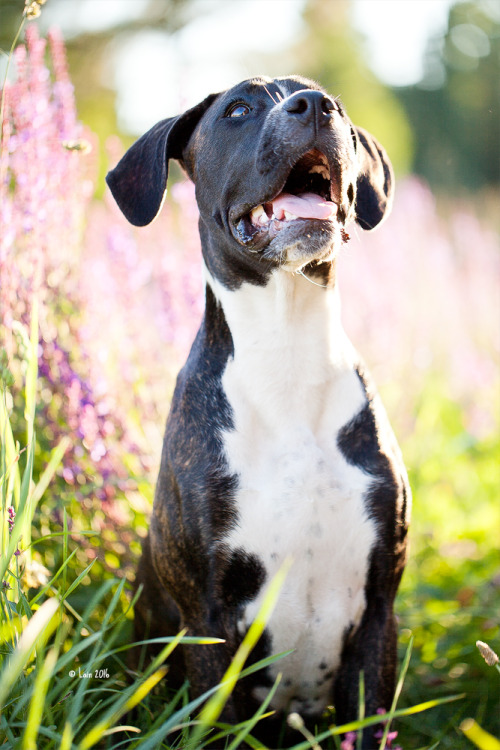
(422, 75)
(119, 306)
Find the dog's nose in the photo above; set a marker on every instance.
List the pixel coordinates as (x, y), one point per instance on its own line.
(310, 106)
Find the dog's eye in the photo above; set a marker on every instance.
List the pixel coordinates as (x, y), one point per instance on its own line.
(238, 110)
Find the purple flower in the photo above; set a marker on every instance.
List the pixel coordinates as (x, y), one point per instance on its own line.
(11, 519)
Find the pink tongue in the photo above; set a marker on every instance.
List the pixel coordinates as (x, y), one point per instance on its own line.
(306, 205)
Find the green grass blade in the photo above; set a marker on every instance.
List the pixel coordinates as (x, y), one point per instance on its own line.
(41, 624)
(353, 726)
(65, 550)
(263, 663)
(102, 728)
(175, 720)
(214, 706)
(8, 732)
(67, 737)
(31, 372)
(99, 595)
(23, 520)
(119, 708)
(10, 458)
(70, 656)
(47, 475)
(39, 692)
(29, 412)
(361, 705)
(185, 640)
(249, 725)
(388, 717)
(476, 734)
(54, 578)
(173, 723)
(77, 580)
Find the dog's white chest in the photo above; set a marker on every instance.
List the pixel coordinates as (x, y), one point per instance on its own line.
(290, 391)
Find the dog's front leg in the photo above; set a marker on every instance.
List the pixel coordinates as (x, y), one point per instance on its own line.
(206, 665)
(372, 651)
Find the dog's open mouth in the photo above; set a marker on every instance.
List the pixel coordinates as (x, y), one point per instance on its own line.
(306, 195)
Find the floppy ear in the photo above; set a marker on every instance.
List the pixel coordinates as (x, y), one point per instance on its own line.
(375, 181)
(139, 180)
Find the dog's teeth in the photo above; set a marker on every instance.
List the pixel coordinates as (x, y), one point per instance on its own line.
(289, 216)
(321, 169)
(258, 215)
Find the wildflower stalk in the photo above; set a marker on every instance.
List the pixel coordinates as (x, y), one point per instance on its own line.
(9, 58)
(295, 721)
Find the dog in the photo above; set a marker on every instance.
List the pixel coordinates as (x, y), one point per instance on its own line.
(277, 445)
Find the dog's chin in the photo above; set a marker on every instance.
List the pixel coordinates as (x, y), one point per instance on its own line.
(290, 244)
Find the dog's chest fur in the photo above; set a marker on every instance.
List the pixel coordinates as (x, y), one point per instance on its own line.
(292, 386)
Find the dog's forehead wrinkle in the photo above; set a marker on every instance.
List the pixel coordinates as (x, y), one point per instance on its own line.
(277, 89)
(291, 84)
(250, 86)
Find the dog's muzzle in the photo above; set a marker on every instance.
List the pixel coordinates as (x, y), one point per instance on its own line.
(307, 195)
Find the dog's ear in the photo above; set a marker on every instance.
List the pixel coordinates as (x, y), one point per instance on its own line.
(375, 181)
(139, 180)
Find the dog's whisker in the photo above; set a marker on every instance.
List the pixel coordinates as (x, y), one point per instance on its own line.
(301, 273)
(270, 95)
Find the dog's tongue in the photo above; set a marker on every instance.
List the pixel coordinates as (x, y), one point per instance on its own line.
(305, 206)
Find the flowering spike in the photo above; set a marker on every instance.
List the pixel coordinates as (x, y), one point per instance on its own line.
(11, 513)
(32, 11)
(490, 657)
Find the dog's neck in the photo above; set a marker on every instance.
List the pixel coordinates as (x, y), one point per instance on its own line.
(288, 330)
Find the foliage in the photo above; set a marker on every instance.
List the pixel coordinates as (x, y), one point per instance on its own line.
(455, 110)
(105, 314)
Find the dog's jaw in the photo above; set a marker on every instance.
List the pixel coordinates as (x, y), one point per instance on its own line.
(296, 222)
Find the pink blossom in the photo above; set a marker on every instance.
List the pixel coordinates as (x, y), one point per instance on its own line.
(349, 741)
(45, 191)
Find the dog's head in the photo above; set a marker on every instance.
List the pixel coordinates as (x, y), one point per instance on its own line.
(279, 171)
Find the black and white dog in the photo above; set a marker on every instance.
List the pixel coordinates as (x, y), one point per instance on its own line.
(277, 445)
